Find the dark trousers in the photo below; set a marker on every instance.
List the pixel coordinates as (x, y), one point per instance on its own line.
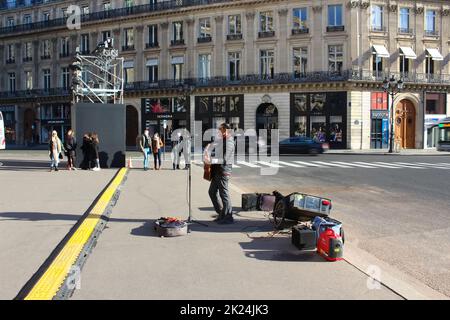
(157, 159)
(219, 189)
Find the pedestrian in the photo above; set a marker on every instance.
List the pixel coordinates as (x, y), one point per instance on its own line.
(86, 149)
(145, 147)
(221, 169)
(186, 145)
(157, 144)
(55, 148)
(94, 151)
(176, 152)
(70, 144)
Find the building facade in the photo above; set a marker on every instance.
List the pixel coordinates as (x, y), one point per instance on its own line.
(305, 67)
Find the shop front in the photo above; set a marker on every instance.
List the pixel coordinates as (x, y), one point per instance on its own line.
(164, 115)
(9, 118)
(321, 116)
(435, 112)
(379, 129)
(54, 117)
(212, 111)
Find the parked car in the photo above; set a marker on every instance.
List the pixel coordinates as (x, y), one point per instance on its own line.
(302, 145)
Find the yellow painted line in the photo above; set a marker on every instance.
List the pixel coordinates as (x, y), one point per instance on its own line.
(53, 278)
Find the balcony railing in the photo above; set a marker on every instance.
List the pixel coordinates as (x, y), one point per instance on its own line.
(128, 48)
(407, 77)
(27, 59)
(234, 37)
(112, 13)
(178, 42)
(152, 45)
(407, 31)
(64, 55)
(10, 61)
(378, 28)
(431, 33)
(298, 31)
(46, 57)
(266, 34)
(204, 39)
(335, 28)
(34, 93)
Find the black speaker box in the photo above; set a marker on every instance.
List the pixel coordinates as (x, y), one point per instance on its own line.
(304, 238)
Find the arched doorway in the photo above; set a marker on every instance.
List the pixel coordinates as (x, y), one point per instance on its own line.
(29, 126)
(405, 124)
(267, 118)
(132, 124)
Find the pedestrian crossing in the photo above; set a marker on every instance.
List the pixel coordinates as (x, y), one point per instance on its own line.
(295, 164)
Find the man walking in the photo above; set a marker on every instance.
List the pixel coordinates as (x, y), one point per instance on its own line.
(221, 169)
(145, 147)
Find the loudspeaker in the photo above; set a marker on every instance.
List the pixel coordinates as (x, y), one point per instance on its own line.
(304, 238)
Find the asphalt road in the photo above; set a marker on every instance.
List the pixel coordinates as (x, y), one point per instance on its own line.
(396, 208)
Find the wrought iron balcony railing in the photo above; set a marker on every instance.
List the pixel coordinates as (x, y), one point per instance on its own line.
(34, 93)
(27, 59)
(46, 57)
(152, 45)
(107, 14)
(266, 34)
(178, 42)
(10, 61)
(298, 31)
(407, 31)
(432, 33)
(335, 28)
(378, 28)
(407, 77)
(128, 48)
(234, 37)
(204, 39)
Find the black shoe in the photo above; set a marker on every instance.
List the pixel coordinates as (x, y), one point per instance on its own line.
(228, 219)
(56, 169)
(219, 218)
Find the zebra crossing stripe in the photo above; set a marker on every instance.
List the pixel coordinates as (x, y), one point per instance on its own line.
(288, 164)
(270, 164)
(409, 165)
(309, 164)
(434, 165)
(354, 165)
(396, 166)
(332, 164)
(248, 164)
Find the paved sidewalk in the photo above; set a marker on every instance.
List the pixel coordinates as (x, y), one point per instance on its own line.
(215, 262)
(37, 209)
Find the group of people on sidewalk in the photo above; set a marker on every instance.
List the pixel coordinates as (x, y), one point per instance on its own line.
(150, 145)
(90, 149)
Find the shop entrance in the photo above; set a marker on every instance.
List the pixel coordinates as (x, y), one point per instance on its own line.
(165, 128)
(405, 125)
(267, 118)
(29, 128)
(132, 126)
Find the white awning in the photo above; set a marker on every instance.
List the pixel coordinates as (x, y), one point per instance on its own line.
(408, 53)
(178, 60)
(381, 51)
(435, 54)
(152, 62)
(128, 64)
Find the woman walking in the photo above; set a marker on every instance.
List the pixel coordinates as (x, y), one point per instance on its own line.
(157, 144)
(70, 144)
(55, 148)
(95, 157)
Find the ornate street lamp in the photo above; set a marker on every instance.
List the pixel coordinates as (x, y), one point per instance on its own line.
(392, 87)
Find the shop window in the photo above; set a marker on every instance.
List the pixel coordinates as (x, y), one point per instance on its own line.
(300, 124)
(435, 103)
(318, 103)
(300, 102)
(219, 104)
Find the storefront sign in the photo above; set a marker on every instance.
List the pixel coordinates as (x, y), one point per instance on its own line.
(444, 125)
(380, 114)
(164, 116)
(54, 122)
(379, 101)
(7, 108)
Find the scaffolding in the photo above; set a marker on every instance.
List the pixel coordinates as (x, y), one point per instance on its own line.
(99, 76)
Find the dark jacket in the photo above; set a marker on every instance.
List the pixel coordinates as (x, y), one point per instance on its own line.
(71, 146)
(224, 159)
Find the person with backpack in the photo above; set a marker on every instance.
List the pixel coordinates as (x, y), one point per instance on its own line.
(157, 144)
(145, 145)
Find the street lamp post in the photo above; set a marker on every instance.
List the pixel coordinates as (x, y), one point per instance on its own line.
(392, 87)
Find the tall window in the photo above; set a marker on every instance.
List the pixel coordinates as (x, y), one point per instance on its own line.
(65, 44)
(266, 21)
(153, 35)
(106, 35)
(28, 80)
(28, 51)
(128, 38)
(267, 62)
(12, 81)
(177, 31)
(300, 61)
(46, 49)
(430, 22)
(11, 22)
(46, 16)
(335, 15)
(377, 17)
(377, 64)
(300, 16)
(404, 20)
(84, 47)
(85, 10)
(234, 25)
(65, 78)
(234, 66)
(152, 68)
(11, 55)
(205, 28)
(129, 72)
(47, 79)
(129, 3)
(177, 68)
(204, 66)
(429, 65)
(107, 6)
(335, 58)
(27, 19)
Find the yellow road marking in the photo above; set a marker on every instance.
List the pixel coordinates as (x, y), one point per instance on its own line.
(50, 282)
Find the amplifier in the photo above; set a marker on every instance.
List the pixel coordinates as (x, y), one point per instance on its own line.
(304, 238)
(250, 202)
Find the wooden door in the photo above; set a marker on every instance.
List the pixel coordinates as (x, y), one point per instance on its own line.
(405, 125)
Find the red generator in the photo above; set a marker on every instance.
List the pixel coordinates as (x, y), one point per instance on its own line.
(330, 245)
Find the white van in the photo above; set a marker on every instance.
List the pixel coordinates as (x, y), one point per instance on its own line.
(2, 133)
